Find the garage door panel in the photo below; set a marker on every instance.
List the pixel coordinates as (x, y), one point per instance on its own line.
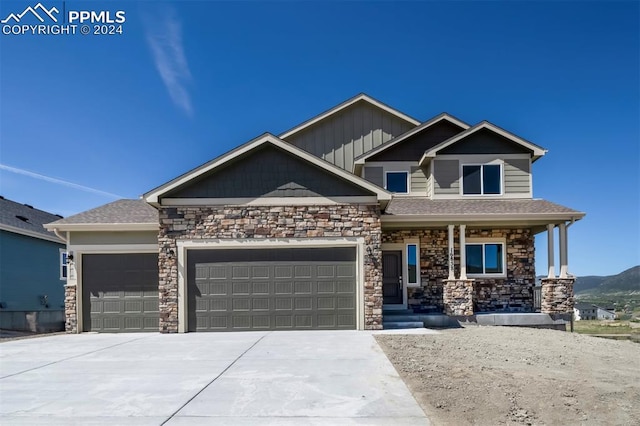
(260, 288)
(284, 288)
(120, 292)
(283, 272)
(284, 304)
(271, 289)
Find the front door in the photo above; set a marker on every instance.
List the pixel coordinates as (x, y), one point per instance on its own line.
(392, 277)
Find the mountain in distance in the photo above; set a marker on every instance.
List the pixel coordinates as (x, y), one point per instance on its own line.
(625, 282)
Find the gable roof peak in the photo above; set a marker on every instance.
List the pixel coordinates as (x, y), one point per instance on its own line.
(359, 161)
(349, 102)
(536, 150)
(153, 196)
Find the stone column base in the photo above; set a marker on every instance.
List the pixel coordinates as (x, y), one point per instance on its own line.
(457, 297)
(70, 309)
(557, 295)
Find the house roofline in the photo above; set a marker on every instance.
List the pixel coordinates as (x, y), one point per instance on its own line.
(360, 160)
(103, 226)
(543, 218)
(537, 150)
(345, 104)
(29, 233)
(153, 196)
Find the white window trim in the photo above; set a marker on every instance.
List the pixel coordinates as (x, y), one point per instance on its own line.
(405, 266)
(407, 172)
(483, 241)
(482, 194)
(61, 253)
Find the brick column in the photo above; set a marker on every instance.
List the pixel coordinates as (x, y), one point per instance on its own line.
(557, 295)
(458, 297)
(70, 309)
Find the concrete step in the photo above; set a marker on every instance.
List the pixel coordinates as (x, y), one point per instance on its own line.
(402, 318)
(387, 311)
(395, 325)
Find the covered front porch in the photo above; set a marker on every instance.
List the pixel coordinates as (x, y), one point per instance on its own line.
(481, 271)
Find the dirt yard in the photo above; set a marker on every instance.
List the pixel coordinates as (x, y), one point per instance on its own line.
(502, 375)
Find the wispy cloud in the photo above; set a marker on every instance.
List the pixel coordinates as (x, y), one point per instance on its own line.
(164, 36)
(57, 181)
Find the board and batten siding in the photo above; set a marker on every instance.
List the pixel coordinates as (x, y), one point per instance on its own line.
(345, 135)
(446, 177)
(517, 176)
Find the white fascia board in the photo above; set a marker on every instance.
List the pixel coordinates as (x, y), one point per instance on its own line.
(537, 151)
(269, 201)
(345, 104)
(104, 226)
(467, 218)
(31, 234)
(361, 160)
(154, 196)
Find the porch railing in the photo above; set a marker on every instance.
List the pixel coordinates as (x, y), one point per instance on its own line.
(537, 298)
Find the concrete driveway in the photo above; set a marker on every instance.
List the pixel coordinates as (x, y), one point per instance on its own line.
(283, 378)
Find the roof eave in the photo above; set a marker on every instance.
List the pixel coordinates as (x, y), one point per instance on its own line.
(154, 196)
(465, 218)
(102, 226)
(392, 142)
(31, 234)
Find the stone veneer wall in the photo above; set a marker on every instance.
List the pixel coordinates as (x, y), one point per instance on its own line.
(260, 222)
(70, 310)
(515, 293)
(557, 295)
(458, 297)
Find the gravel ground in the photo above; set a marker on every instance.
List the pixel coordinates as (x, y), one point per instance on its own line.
(502, 375)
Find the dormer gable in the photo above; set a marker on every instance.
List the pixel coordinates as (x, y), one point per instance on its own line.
(411, 145)
(484, 138)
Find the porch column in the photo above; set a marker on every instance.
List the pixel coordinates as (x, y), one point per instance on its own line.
(550, 253)
(564, 262)
(463, 252)
(451, 254)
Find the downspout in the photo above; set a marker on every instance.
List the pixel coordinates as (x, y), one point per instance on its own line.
(55, 231)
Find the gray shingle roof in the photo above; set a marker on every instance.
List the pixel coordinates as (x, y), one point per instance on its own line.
(426, 207)
(25, 217)
(120, 211)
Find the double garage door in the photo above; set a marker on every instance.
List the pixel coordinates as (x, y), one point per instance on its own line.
(227, 290)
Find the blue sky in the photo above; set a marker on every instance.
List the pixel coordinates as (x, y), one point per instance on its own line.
(187, 81)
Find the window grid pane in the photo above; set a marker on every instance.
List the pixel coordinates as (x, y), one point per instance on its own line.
(471, 180)
(412, 263)
(491, 179)
(397, 182)
(474, 258)
(493, 258)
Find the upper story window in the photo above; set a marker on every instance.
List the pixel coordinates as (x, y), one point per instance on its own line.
(482, 179)
(397, 182)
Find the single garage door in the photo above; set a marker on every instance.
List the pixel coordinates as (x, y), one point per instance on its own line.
(120, 292)
(274, 289)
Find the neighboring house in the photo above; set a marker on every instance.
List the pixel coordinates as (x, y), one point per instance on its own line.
(585, 311)
(358, 209)
(33, 270)
(588, 311)
(605, 313)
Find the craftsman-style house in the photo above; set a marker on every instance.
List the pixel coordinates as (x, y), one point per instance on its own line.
(352, 214)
